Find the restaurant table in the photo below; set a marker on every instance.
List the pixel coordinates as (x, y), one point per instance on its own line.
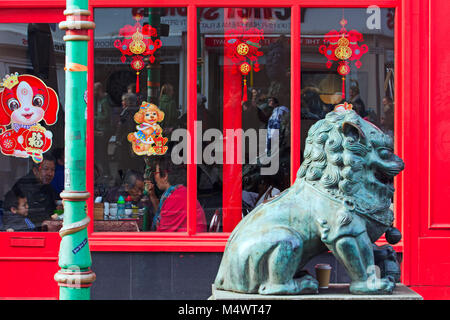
(125, 225)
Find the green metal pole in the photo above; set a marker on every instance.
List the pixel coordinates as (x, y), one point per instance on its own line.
(154, 69)
(75, 276)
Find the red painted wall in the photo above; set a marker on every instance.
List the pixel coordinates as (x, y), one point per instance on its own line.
(27, 265)
(426, 148)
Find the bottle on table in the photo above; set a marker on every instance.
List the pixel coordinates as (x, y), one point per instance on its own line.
(106, 211)
(120, 208)
(113, 211)
(128, 207)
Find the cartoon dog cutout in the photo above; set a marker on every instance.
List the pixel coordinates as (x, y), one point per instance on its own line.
(148, 139)
(24, 102)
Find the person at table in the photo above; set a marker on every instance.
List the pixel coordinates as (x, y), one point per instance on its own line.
(36, 186)
(15, 216)
(132, 185)
(171, 209)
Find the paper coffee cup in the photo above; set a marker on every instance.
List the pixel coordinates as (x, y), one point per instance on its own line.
(323, 272)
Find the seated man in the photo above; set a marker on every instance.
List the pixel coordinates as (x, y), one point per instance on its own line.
(15, 212)
(40, 194)
(171, 209)
(132, 185)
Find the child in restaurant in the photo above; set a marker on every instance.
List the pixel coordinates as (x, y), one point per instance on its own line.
(16, 211)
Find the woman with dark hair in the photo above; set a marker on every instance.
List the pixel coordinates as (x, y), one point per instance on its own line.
(171, 209)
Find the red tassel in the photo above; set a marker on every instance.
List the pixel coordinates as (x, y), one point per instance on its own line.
(244, 98)
(137, 82)
(343, 88)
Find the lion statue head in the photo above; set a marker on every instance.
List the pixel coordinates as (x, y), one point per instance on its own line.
(352, 160)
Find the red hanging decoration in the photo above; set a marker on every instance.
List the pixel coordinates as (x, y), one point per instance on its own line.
(137, 42)
(343, 47)
(243, 46)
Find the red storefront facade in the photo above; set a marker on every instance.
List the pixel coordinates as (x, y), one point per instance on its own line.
(420, 79)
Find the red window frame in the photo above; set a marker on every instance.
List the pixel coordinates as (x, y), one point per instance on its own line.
(21, 252)
(215, 242)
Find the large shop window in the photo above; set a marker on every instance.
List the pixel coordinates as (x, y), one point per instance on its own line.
(32, 126)
(139, 101)
(243, 118)
(369, 83)
(242, 125)
(243, 110)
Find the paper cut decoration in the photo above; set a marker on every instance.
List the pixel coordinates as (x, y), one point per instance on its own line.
(25, 101)
(243, 46)
(148, 139)
(343, 47)
(343, 107)
(137, 42)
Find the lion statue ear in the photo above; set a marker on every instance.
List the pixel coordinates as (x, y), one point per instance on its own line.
(353, 130)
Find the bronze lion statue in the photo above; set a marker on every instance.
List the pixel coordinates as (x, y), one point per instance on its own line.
(340, 202)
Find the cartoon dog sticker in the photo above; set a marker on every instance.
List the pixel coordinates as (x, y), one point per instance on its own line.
(25, 101)
(148, 139)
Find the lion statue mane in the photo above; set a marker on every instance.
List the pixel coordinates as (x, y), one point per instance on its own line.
(339, 202)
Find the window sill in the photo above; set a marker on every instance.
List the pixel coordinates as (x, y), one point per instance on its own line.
(169, 242)
(153, 242)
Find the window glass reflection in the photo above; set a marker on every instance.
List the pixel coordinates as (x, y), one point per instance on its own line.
(140, 117)
(32, 135)
(244, 110)
(369, 84)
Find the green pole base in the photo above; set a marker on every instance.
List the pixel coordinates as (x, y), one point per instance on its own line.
(74, 284)
(74, 293)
